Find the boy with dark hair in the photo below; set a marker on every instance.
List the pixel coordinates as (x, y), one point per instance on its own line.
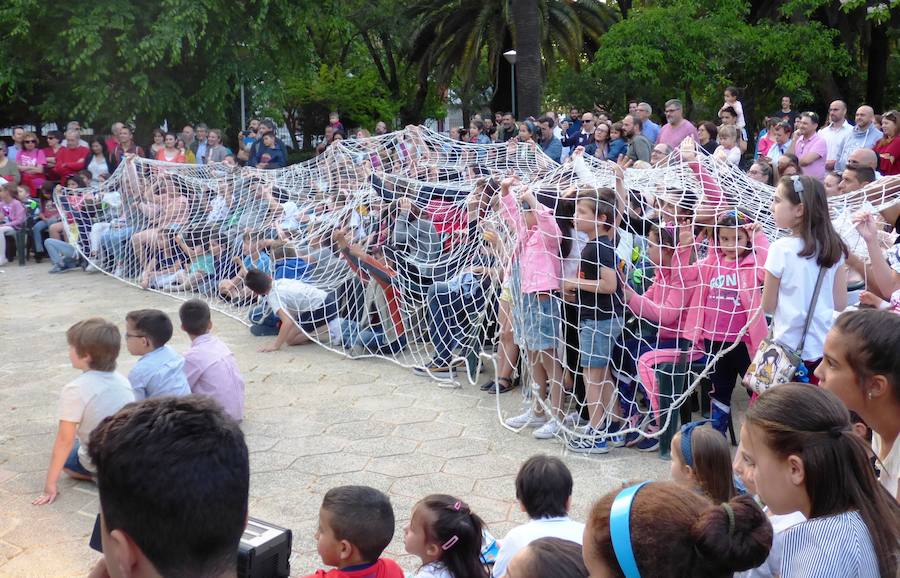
(84, 402)
(209, 365)
(356, 524)
(160, 370)
(544, 491)
(158, 516)
(293, 302)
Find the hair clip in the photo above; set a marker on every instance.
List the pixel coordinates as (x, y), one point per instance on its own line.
(457, 506)
(798, 186)
(451, 542)
(620, 530)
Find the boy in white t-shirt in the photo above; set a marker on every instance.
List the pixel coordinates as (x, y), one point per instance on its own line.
(97, 393)
(303, 310)
(544, 491)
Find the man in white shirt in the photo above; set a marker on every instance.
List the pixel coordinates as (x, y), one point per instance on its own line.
(544, 491)
(835, 131)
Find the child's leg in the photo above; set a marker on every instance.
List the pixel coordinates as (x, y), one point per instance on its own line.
(509, 351)
(729, 367)
(539, 376)
(73, 467)
(597, 339)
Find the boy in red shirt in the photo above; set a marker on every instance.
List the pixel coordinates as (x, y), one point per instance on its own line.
(356, 523)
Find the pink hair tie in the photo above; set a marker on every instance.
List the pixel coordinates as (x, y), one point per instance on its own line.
(457, 506)
(449, 543)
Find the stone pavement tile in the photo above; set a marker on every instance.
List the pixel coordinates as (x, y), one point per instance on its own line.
(8, 552)
(430, 396)
(428, 431)
(406, 465)
(30, 462)
(357, 430)
(483, 466)
(259, 442)
(381, 402)
(362, 478)
(299, 426)
(359, 385)
(439, 483)
(68, 501)
(311, 445)
(489, 510)
(501, 489)
(469, 416)
(279, 484)
(402, 415)
(6, 474)
(328, 464)
(63, 527)
(270, 461)
(61, 560)
(455, 447)
(381, 447)
(331, 412)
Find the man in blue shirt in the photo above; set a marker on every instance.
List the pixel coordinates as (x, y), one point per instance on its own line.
(650, 129)
(864, 135)
(551, 145)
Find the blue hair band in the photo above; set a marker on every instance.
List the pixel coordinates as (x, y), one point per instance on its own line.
(620, 530)
(686, 447)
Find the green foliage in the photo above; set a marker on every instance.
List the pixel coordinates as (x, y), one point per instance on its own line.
(692, 50)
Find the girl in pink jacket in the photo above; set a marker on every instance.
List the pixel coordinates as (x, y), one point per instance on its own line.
(731, 280)
(671, 303)
(540, 268)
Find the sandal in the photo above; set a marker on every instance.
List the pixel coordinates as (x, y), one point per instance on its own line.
(505, 385)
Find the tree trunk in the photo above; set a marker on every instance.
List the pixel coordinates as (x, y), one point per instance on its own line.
(877, 73)
(501, 100)
(529, 74)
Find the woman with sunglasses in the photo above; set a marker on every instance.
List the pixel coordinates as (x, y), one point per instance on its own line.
(31, 161)
(54, 143)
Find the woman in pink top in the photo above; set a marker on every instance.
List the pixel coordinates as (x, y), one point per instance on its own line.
(31, 161)
(731, 280)
(540, 267)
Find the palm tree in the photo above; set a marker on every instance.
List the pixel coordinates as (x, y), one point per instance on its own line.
(451, 37)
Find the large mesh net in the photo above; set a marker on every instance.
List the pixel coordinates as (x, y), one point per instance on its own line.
(611, 295)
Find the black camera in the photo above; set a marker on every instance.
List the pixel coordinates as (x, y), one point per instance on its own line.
(264, 551)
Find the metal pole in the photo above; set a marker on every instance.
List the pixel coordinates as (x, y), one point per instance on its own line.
(243, 109)
(512, 68)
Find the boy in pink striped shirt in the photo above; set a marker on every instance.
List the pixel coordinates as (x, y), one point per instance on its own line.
(209, 365)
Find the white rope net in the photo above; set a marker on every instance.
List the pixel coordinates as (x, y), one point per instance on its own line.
(425, 251)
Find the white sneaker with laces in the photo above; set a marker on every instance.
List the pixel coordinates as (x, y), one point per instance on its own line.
(529, 418)
(548, 431)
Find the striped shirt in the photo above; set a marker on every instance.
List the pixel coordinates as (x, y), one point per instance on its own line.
(829, 547)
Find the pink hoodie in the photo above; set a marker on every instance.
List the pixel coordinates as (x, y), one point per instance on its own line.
(750, 274)
(539, 262)
(671, 302)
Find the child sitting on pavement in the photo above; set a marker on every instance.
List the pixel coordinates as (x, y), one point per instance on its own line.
(160, 369)
(84, 402)
(209, 365)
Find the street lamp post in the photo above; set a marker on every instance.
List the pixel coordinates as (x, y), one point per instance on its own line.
(510, 56)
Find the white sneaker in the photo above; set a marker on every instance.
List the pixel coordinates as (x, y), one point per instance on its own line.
(548, 431)
(573, 419)
(529, 418)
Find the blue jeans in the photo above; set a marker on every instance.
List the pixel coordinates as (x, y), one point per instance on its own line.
(115, 241)
(73, 464)
(371, 339)
(38, 228)
(59, 251)
(452, 306)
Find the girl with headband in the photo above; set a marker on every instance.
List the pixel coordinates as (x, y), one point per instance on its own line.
(447, 536)
(658, 529)
(794, 264)
(701, 461)
(798, 448)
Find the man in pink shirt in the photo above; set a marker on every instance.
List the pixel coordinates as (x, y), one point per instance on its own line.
(810, 147)
(209, 365)
(677, 128)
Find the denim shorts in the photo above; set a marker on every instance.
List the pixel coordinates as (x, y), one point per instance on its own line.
(540, 320)
(73, 464)
(597, 338)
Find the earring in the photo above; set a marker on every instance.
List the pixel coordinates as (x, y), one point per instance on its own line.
(870, 396)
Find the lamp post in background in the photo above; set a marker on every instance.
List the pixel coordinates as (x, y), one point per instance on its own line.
(510, 56)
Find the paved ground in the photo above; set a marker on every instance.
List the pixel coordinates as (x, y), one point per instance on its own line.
(314, 420)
